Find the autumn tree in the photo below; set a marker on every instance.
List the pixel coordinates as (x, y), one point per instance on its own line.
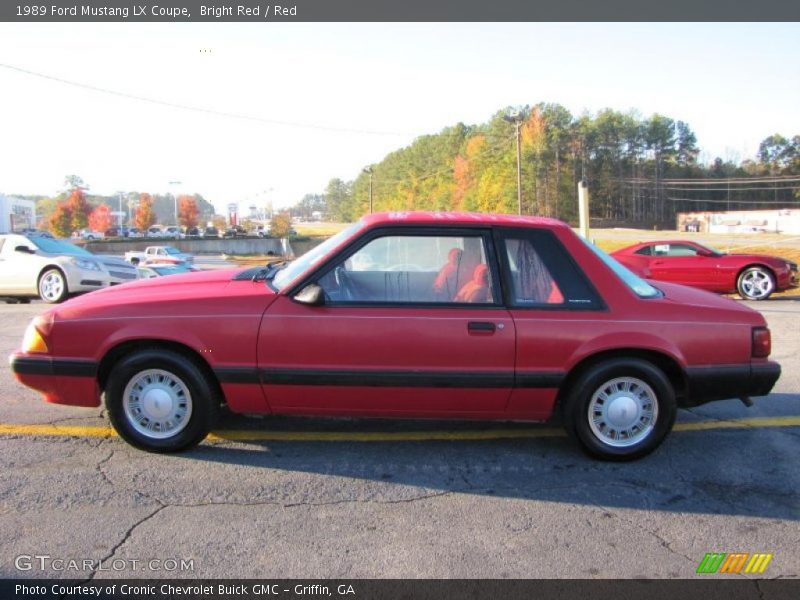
(145, 216)
(79, 209)
(280, 225)
(188, 211)
(60, 221)
(100, 218)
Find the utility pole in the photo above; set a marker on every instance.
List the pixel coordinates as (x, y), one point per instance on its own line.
(175, 200)
(583, 209)
(516, 118)
(368, 171)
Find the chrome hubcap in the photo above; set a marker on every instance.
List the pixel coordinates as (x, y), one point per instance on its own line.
(623, 412)
(756, 284)
(52, 286)
(157, 403)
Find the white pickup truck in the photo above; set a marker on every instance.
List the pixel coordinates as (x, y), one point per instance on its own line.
(158, 254)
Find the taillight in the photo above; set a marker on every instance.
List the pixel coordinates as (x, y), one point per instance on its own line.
(762, 342)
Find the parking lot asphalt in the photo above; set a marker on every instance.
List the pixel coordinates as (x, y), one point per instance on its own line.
(286, 497)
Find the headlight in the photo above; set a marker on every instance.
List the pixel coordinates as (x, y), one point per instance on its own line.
(33, 341)
(86, 265)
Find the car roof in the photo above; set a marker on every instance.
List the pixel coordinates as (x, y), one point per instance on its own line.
(458, 218)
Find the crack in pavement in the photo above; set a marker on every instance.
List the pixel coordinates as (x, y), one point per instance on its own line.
(124, 539)
(663, 542)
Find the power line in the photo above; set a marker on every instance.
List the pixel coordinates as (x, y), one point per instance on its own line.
(718, 180)
(725, 201)
(197, 109)
(232, 115)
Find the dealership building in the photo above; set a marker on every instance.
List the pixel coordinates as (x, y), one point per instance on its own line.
(785, 220)
(16, 214)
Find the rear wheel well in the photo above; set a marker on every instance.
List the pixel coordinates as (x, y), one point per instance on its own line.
(117, 353)
(666, 363)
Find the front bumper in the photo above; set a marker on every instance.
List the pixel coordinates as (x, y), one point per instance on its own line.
(721, 382)
(59, 380)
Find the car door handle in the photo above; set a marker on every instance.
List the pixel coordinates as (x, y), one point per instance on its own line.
(658, 262)
(481, 326)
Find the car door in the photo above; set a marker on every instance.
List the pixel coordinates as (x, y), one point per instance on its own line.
(681, 263)
(18, 270)
(387, 340)
(553, 305)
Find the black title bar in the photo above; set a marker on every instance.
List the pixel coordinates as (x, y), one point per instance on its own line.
(710, 588)
(397, 10)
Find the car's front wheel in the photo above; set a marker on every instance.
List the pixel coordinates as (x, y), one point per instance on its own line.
(161, 401)
(620, 409)
(53, 286)
(755, 283)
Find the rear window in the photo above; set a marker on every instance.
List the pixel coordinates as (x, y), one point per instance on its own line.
(636, 284)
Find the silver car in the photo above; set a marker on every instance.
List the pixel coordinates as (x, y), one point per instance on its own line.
(48, 268)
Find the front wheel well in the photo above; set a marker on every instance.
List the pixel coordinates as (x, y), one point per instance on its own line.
(760, 266)
(671, 368)
(118, 352)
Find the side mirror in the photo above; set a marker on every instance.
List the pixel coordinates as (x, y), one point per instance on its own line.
(312, 295)
(25, 249)
(706, 253)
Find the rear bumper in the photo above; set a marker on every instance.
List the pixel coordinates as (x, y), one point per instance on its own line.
(60, 381)
(707, 384)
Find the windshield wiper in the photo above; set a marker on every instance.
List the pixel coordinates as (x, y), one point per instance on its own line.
(269, 271)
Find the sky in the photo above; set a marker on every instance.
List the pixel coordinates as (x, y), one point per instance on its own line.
(323, 100)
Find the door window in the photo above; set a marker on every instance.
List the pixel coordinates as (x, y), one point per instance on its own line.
(541, 273)
(414, 269)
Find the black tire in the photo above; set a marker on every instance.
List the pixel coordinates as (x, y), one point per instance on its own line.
(203, 397)
(595, 437)
(755, 283)
(48, 287)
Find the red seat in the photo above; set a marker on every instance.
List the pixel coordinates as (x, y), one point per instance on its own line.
(447, 279)
(477, 290)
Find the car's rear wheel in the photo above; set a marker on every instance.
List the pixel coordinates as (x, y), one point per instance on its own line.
(755, 283)
(161, 401)
(620, 409)
(53, 286)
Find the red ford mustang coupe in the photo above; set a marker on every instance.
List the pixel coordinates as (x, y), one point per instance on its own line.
(437, 315)
(754, 276)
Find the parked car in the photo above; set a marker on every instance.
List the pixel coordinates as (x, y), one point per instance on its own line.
(154, 232)
(235, 231)
(113, 232)
(158, 254)
(210, 232)
(135, 232)
(192, 232)
(161, 270)
(440, 315)
(753, 276)
(88, 234)
(173, 232)
(50, 269)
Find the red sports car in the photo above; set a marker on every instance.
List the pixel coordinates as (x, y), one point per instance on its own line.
(440, 315)
(753, 276)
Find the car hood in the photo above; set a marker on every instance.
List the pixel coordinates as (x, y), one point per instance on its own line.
(766, 258)
(717, 306)
(176, 294)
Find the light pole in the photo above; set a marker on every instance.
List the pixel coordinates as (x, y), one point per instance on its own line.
(175, 199)
(516, 118)
(368, 171)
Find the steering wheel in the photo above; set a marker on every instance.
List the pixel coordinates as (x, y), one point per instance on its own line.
(344, 283)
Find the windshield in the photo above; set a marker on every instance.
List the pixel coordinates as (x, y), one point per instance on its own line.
(637, 285)
(312, 257)
(52, 246)
(171, 250)
(713, 251)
